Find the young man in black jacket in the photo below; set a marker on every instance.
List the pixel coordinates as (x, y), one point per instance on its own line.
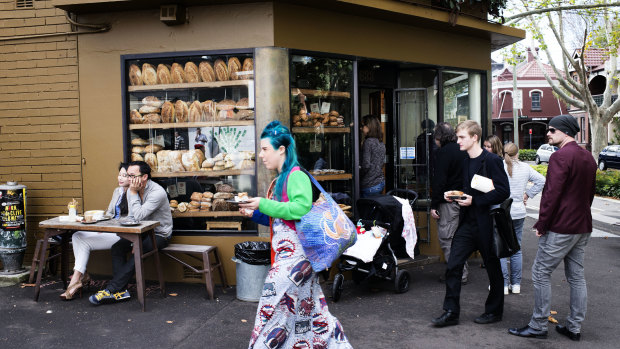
(475, 231)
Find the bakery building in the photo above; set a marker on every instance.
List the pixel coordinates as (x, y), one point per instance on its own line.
(188, 86)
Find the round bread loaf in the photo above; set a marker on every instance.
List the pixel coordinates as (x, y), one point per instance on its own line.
(207, 195)
(194, 204)
(191, 72)
(234, 66)
(152, 148)
(246, 114)
(248, 66)
(145, 109)
(167, 112)
(182, 207)
(243, 103)
(333, 119)
(151, 101)
(206, 71)
(137, 149)
(333, 124)
(135, 75)
(174, 203)
(208, 163)
(135, 117)
(163, 74)
(196, 196)
(136, 157)
(333, 113)
(152, 118)
(177, 73)
(221, 70)
(181, 111)
(208, 109)
(195, 112)
(139, 141)
(149, 75)
(226, 104)
(297, 124)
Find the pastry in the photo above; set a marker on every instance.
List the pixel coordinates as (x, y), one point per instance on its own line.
(135, 117)
(163, 74)
(149, 75)
(245, 114)
(153, 148)
(136, 157)
(206, 71)
(242, 196)
(221, 70)
(181, 111)
(191, 72)
(196, 196)
(248, 69)
(151, 101)
(177, 73)
(195, 112)
(208, 109)
(234, 66)
(151, 159)
(453, 194)
(135, 75)
(139, 141)
(243, 103)
(226, 104)
(145, 109)
(152, 118)
(167, 112)
(218, 168)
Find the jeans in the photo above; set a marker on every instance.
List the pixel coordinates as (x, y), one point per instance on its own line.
(373, 191)
(513, 276)
(554, 248)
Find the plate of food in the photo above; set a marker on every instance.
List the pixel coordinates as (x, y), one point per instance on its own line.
(455, 195)
(129, 223)
(240, 198)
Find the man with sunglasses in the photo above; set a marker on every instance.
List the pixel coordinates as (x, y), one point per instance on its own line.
(564, 227)
(147, 201)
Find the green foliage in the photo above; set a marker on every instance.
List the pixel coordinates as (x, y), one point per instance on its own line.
(527, 154)
(493, 7)
(542, 169)
(607, 182)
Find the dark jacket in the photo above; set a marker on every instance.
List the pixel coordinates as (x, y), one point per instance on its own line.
(482, 202)
(448, 172)
(568, 192)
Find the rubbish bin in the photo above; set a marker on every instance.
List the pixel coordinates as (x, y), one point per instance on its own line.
(12, 227)
(253, 259)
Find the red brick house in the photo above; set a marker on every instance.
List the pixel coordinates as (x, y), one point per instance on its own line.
(539, 103)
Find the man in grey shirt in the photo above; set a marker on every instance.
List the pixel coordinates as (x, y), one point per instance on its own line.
(147, 201)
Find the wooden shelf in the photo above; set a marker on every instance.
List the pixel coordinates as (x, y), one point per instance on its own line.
(319, 130)
(177, 214)
(202, 173)
(319, 93)
(213, 84)
(192, 124)
(333, 177)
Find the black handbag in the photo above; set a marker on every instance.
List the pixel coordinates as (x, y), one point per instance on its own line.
(505, 242)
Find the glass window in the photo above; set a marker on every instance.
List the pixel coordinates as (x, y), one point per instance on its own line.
(536, 101)
(462, 95)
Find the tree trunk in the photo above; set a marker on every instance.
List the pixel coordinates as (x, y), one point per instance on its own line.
(599, 134)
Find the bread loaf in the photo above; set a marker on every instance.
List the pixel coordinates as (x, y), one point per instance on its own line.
(152, 148)
(246, 114)
(333, 113)
(162, 161)
(223, 195)
(333, 124)
(226, 115)
(221, 70)
(151, 101)
(224, 187)
(191, 162)
(206, 71)
(248, 66)
(149, 75)
(163, 74)
(182, 207)
(195, 112)
(234, 66)
(243, 103)
(219, 205)
(207, 195)
(136, 157)
(191, 72)
(167, 112)
(226, 104)
(151, 159)
(135, 75)
(145, 109)
(137, 149)
(177, 73)
(205, 206)
(196, 196)
(174, 204)
(135, 117)
(333, 119)
(181, 111)
(297, 124)
(208, 109)
(208, 163)
(152, 118)
(175, 161)
(139, 141)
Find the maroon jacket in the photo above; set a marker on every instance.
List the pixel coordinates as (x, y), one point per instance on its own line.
(568, 192)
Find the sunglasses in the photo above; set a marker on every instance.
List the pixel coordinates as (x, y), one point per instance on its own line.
(551, 129)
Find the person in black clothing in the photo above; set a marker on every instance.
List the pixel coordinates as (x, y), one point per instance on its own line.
(448, 175)
(475, 231)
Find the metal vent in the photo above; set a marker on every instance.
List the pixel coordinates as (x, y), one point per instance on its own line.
(24, 3)
(190, 274)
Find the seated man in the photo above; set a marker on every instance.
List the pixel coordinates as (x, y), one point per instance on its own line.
(147, 201)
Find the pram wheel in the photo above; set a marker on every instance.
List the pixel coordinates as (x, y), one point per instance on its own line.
(401, 282)
(337, 287)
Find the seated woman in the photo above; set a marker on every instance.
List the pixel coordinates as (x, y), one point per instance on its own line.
(86, 241)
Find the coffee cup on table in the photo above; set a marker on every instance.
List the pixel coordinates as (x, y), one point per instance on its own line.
(89, 218)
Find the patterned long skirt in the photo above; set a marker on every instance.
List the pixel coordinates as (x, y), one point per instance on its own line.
(292, 312)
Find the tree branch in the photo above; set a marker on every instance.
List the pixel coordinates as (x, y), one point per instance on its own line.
(557, 8)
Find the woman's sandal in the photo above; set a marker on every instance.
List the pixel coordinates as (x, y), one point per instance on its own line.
(71, 291)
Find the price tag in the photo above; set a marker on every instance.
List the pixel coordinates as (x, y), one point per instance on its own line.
(325, 107)
(314, 108)
(172, 191)
(315, 146)
(181, 186)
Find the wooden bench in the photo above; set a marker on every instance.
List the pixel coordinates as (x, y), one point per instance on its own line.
(208, 266)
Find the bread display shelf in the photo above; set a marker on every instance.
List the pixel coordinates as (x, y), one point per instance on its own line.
(213, 84)
(192, 124)
(320, 93)
(333, 177)
(202, 173)
(324, 129)
(178, 214)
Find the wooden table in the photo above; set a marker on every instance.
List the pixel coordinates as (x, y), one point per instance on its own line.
(54, 227)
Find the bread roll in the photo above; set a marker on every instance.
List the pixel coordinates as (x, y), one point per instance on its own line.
(151, 101)
(333, 124)
(243, 103)
(152, 148)
(297, 124)
(135, 75)
(149, 75)
(333, 119)
(196, 196)
(208, 110)
(175, 161)
(226, 104)
(136, 157)
(182, 207)
(195, 112)
(137, 149)
(221, 70)
(191, 72)
(204, 199)
(174, 203)
(177, 73)
(248, 66)
(207, 195)
(145, 109)
(135, 117)
(194, 204)
(163, 74)
(167, 112)
(246, 114)
(333, 113)
(206, 71)
(151, 159)
(139, 141)
(205, 206)
(181, 111)
(152, 118)
(234, 66)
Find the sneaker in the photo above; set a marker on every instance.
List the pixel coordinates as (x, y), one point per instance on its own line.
(103, 296)
(516, 289)
(505, 290)
(122, 296)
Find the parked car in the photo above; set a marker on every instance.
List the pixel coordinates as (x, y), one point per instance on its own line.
(609, 157)
(544, 153)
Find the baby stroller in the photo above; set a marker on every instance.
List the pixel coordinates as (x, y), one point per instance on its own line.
(386, 212)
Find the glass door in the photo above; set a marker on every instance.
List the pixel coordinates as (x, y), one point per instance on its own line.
(413, 140)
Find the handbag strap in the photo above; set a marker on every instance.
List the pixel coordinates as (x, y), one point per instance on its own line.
(316, 184)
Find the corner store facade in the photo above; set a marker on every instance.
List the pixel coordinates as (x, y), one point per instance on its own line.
(388, 31)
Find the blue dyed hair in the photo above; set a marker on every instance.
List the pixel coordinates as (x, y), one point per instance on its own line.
(280, 135)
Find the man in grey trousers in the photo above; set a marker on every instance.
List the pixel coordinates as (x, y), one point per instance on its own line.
(564, 227)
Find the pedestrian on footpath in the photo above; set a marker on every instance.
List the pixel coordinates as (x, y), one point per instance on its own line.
(475, 231)
(519, 175)
(448, 175)
(564, 227)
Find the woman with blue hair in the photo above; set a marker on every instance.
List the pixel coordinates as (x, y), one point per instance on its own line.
(292, 309)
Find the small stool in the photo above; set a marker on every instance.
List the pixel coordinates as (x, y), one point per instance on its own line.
(203, 250)
(53, 254)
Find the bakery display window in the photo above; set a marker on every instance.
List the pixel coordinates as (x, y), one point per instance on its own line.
(321, 120)
(191, 118)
